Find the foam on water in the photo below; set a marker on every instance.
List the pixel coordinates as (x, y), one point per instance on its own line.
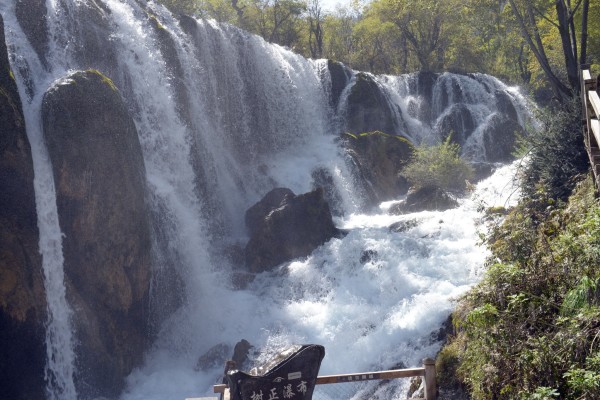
(242, 117)
(370, 315)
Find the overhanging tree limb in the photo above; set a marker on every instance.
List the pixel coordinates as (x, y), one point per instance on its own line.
(560, 89)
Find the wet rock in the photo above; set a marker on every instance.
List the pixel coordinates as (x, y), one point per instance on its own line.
(457, 123)
(256, 215)
(100, 181)
(425, 199)
(378, 159)
(340, 77)
(500, 137)
(368, 109)
(31, 15)
(240, 353)
(403, 226)
(22, 293)
(368, 256)
(323, 178)
(425, 83)
(293, 227)
(213, 358)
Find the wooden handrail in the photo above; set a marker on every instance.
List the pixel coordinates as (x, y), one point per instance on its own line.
(427, 372)
(590, 101)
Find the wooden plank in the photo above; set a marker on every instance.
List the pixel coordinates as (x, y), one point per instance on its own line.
(366, 376)
(430, 384)
(595, 100)
(595, 125)
(219, 388)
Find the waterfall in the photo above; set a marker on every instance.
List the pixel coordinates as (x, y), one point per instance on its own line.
(32, 75)
(222, 118)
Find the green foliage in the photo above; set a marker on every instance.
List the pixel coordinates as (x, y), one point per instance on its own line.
(529, 330)
(401, 36)
(584, 295)
(542, 393)
(438, 166)
(557, 154)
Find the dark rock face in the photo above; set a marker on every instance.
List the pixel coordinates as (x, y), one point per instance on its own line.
(291, 229)
(31, 15)
(458, 123)
(100, 179)
(92, 45)
(378, 159)
(424, 199)
(322, 178)
(22, 295)
(368, 109)
(499, 138)
(425, 83)
(256, 215)
(340, 77)
(403, 226)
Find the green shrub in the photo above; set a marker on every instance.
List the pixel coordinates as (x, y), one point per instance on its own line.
(529, 329)
(556, 153)
(439, 167)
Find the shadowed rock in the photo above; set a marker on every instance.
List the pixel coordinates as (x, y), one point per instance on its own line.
(368, 109)
(425, 199)
(291, 229)
(100, 181)
(378, 158)
(500, 138)
(22, 294)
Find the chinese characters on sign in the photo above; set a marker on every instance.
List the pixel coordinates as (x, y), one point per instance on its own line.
(287, 392)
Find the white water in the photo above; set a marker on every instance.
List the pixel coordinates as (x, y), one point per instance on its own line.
(60, 366)
(257, 117)
(368, 316)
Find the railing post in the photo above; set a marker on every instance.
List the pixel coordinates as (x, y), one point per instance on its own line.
(430, 385)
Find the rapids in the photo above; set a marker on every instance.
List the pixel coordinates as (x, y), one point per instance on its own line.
(222, 119)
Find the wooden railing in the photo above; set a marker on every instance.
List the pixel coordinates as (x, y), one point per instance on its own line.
(427, 372)
(591, 115)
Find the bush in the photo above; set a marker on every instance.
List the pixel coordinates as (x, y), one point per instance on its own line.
(529, 330)
(556, 153)
(438, 167)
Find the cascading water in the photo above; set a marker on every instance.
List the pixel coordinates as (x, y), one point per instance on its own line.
(34, 77)
(223, 117)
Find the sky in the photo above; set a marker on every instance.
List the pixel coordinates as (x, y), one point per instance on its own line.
(330, 5)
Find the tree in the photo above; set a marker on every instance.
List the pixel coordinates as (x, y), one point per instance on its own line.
(277, 21)
(338, 40)
(424, 25)
(315, 30)
(560, 14)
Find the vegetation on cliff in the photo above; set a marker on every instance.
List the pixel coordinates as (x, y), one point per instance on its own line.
(531, 328)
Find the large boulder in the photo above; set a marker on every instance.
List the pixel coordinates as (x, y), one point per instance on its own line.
(100, 182)
(368, 109)
(291, 229)
(457, 122)
(92, 46)
(258, 213)
(31, 15)
(340, 76)
(424, 199)
(378, 158)
(500, 138)
(22, 294)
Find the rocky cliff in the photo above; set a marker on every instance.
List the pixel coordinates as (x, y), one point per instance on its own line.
(22, 295)
(99, 175)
